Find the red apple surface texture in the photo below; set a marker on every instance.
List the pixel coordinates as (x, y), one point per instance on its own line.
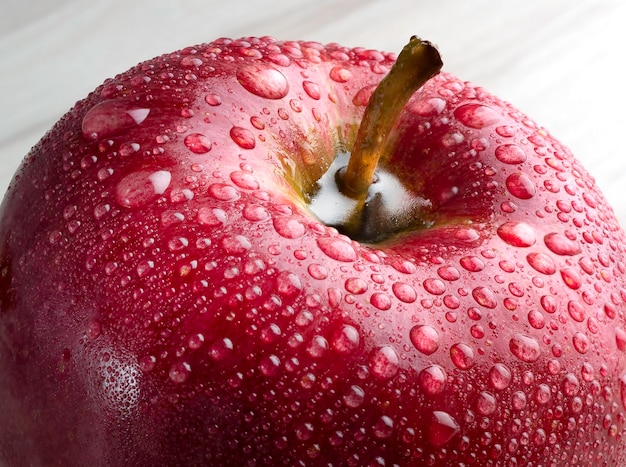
(167, 297)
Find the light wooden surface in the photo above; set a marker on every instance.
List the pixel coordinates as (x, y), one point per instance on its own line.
(560, 61)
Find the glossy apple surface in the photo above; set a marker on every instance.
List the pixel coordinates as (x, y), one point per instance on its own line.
(167, 296)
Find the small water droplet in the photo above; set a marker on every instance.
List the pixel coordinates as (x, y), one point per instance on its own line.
(521, 186)
(213, 99)
(346, 340)
(542, 263)
(484, 297)
(424, 338)
(288, 284)
(112, 117)
(354, 397)
(442, 428)
(243, 137)
(434, 286)
(179, 372)
(427, 107)
(381, 301)
(517, 234)
(312, 89)
(432, 380)
(197, 143)
(510, 154)
(462, 356)
(404, 292)
(500, 377)
(337, 249)
(384, 362)
(581, 342)
(561, 245)
(622, 390)
(476, 115)
(525, 348)
(571, 278)
(288, 227)
(340, 75)
(263, 81)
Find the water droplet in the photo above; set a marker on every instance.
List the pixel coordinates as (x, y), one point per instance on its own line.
(288, 227)
(384, 362)
(381, 301)
(581, 342)
(213, 99)
(472, 263)
(354, 397)
(404, 292)
(620, 338)
(571, 278)
(510, 154)
(432, 380)
(484, 297)
(223, 192)
(212, 216)
(269, 366)
(195, 341)
(317, 271)
(346, 340)
(244, 180)
(541, 263)
(340, 75)
(197, 143)
(383, 428)
(362, 98)
(179, 372)
(221, 349)
(424, 338)
(517, 234)
(236, 244)
(177, 243)
(525, 348)
(485, 403)
(356, 285)
(112, 117)
(462, 356)
(434, 286)
(561, 245)
(476, 115)
(449, 273)
(576, 311)
(288, 284)
(442, 428)
(337, 249)
(500, 377)
(427, 107)
(263, 81)
(139, 188)
(622, 390)
(94, 329)
(521, 186)
(243, 137)
(255, 213)
(312, 89)
(571, 385)
(536, 319)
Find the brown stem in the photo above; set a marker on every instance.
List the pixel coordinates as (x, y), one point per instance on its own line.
(417, 63)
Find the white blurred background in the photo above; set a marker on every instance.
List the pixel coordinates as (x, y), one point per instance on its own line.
(559, 61)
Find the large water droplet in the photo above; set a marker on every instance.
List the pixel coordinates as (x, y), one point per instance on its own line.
(197, 143)
(521, 186)
(571, 278)
(263, 81)
(384, 362)
(434, 286)
(427, 107)
(221, 349)
(337, 249)
(354, 397)
(432, 380)
(381, 301)
(499, 377)
(404, 292)
(462, 356)
(581, 342)
(355, 285)
(179, 372)
(139, 188)
(288, 227)
(485, 403)
(340, 75)
(484, 297)
(424, 338)
(517, 234)
(243, 137)
(510, 154)
(312, 89)
(112, 117)
(561, 245)
(442, 428)
(542, 263)
(346, 340)
(288, 284)
(476, 115)
(525, 348)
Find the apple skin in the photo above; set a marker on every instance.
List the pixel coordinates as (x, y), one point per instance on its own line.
(167, 298)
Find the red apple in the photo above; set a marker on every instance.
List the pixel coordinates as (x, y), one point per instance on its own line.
(185, 282)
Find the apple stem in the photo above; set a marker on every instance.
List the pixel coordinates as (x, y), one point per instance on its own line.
(417, 63)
